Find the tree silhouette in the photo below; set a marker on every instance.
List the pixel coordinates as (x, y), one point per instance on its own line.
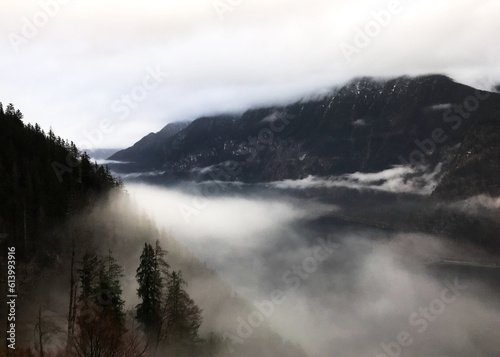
(109, 289)
(88, 274)
(183, 316)
(101, 319)
(149, 291)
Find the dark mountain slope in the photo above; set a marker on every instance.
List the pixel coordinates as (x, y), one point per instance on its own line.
(147, 146)
(367, 125)
(476, 167)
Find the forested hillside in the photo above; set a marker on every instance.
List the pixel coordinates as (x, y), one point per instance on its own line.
(43, 179)
(94, 276)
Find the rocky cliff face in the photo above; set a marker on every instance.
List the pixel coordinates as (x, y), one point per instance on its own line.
(476, 167)
(367, 125)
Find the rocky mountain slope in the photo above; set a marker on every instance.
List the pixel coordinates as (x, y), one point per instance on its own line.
(368, 125)
(140, 152)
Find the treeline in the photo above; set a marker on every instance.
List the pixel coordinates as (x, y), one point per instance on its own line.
(47, 189)
(166, 321)
(43, 180)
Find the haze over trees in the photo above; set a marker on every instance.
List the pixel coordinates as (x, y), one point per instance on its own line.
(79, 236)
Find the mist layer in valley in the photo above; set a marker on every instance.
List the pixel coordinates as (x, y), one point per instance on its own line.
(341, 269)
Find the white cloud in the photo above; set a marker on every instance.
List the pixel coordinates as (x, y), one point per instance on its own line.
(479, 205)
(362, 295)
(400, 179)
(264, 52)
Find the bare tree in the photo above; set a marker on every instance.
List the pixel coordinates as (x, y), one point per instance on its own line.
(45, 330)
(72, 298)
(99, 335)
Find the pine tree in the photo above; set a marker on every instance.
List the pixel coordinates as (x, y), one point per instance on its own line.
(163, 266)
(183, 316)
(100, 285)
(109, 289)
(166, 312)
(150, 288)
(10, 110)
(101, 319)
(88, 274)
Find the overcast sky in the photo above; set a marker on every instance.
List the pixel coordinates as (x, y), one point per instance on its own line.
(74, 68)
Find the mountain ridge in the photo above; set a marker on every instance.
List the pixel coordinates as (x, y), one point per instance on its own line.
(367, 125)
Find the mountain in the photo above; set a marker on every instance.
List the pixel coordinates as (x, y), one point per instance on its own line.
(367, 125)
(475, 168)
(143, 152)
(101, 154)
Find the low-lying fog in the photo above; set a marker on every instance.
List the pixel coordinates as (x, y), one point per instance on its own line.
(340, 289)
